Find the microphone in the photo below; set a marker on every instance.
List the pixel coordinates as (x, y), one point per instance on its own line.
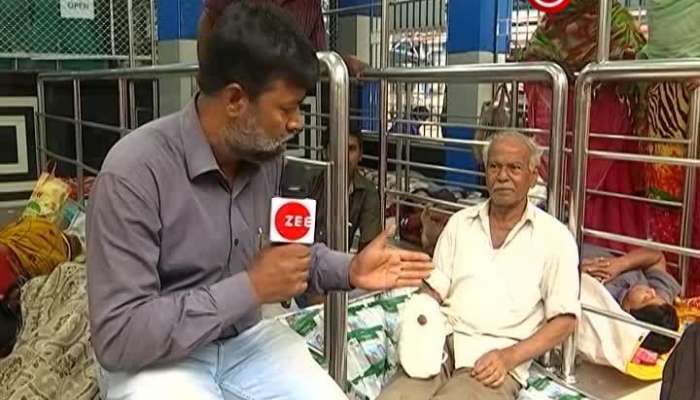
(292, 221)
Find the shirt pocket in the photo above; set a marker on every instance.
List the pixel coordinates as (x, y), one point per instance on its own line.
(247, 243)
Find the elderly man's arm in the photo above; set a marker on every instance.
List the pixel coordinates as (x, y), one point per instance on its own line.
(493, 367)
(432, 293)
(439, 282)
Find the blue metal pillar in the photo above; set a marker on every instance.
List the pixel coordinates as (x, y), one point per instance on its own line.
(478, 32)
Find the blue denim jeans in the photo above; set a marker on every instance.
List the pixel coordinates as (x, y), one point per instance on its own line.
(268, 361)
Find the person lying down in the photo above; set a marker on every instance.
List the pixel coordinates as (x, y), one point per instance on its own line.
(639, 282)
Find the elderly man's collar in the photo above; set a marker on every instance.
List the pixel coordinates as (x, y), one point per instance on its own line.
(482, 211)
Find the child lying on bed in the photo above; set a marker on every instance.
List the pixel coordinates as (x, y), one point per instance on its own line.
(641, 285)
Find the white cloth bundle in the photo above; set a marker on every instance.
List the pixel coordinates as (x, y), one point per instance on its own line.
(422, 341)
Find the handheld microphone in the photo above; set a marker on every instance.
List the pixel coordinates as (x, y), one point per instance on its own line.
(292, 221)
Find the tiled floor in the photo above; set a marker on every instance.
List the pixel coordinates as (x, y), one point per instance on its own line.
(607, 383)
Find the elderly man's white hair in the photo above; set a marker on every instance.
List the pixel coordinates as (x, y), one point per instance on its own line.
(534, 150)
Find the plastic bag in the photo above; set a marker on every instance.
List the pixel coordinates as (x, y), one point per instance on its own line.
(372, 335)
(493, 113)
(48, 198)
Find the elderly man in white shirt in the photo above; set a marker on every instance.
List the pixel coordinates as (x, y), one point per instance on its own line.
(506, 274)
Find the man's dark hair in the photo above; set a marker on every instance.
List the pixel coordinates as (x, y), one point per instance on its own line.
(254, 45)
(660, 315)
(420, 113)
(355, 130)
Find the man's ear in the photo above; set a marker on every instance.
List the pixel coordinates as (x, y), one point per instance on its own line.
(236, 100)
(533, 178)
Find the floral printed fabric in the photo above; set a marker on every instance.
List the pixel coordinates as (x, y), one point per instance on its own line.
(664, 115)
(569, 38)
(53, 358)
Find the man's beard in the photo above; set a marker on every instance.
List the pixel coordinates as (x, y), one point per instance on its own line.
(245, 141)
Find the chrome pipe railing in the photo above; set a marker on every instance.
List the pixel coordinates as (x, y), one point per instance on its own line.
(469, 73)
(489, 73)
(635, 198)
(616, 71)
(149, 72)
(689, 193)
(668, 248)
(78, 117)
(104, 127)
(631, 321)
(336, 307)
(604, 30)
(623, 71)
(426, 199)
(385, 46)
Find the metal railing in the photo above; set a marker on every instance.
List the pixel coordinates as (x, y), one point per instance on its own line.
(625, 71)
(489, 73)
(413, 34)
(604, 70)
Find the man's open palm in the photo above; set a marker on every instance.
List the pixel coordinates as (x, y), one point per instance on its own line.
(379, 266)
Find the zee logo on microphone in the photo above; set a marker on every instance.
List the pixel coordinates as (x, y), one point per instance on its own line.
(292, 220)
(550, 6)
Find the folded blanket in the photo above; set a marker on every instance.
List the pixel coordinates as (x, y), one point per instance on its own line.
(52, 358)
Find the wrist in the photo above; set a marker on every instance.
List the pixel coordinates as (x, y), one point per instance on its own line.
(509, 355)
(621, 265)
(351, 273)
(257, 295)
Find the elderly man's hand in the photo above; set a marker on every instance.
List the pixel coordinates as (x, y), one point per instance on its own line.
(493, 367)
